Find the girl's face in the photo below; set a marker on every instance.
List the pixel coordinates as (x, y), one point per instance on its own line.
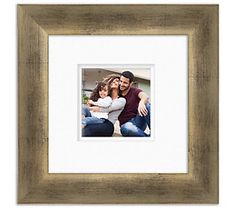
(115, 84)
(104, 92)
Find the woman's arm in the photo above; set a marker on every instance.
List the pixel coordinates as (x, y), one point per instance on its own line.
(116, 105)
(105, 102)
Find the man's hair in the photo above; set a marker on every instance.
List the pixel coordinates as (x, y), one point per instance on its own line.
(128, 74)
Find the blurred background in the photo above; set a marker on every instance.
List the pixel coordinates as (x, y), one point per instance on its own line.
(90, 76)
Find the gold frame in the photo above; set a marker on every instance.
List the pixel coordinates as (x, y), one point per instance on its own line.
(37, 22)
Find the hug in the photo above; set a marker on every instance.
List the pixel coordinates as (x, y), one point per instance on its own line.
(114, 99)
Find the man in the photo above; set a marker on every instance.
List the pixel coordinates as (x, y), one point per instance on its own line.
(136, 114)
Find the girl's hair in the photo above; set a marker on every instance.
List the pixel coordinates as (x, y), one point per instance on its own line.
(99, 86)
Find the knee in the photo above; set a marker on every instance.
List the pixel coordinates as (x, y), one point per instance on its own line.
(86, 112)
(148, 106)
(128, 129)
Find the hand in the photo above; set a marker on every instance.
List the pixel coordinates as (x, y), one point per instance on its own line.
(142, 110)
(95, 109)
(90, 102)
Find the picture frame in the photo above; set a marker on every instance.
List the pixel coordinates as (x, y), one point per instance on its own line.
(199, 23)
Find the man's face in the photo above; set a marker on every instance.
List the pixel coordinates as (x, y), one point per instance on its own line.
(124, 83)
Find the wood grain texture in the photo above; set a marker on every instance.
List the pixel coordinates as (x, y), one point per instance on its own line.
(198, 22)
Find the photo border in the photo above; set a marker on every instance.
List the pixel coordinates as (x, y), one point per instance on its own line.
(37, 22)
(111, 138)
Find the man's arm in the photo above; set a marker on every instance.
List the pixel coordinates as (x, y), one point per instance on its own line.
(143, 100)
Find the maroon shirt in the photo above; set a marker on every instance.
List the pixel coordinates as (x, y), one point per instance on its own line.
(131, 107)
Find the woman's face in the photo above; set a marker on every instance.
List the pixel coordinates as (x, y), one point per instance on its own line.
(114, 84)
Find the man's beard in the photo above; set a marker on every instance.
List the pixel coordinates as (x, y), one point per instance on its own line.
(125, 88)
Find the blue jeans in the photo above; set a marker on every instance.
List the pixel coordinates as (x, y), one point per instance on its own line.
(135, 127)
(89, 119)
(105, 129)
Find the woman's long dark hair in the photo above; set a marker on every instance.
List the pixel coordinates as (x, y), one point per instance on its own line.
(109, 79)
(99, 86)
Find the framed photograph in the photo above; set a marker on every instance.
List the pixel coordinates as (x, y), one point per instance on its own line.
(118, 104)
(96, 77)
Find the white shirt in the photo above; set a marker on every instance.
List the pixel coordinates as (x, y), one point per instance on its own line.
(103, 103)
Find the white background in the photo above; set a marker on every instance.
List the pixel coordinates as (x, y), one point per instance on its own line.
(166, 153)
(8, 104)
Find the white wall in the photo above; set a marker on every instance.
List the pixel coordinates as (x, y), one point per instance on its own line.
(8, 77)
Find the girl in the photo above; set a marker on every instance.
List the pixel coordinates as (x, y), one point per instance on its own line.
(107, 127)
(100, 98)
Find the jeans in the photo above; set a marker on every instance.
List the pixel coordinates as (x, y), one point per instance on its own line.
(104, 129)
(89, 119)
(135, 127)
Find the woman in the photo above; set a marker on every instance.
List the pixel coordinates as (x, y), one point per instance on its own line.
(107, 127)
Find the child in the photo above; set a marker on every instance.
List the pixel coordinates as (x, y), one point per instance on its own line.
(100, 98)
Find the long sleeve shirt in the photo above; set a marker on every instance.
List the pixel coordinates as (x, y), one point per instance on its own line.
(114, 109)
(102, 103)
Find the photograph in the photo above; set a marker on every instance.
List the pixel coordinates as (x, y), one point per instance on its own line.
(115, 101)
(117, 104)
